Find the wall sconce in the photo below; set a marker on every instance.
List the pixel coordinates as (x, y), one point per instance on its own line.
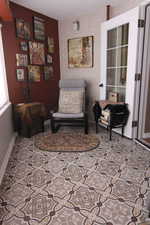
(76, 25)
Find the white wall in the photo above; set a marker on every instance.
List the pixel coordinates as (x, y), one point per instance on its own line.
(89, 25)
(125, 6)
(6, 138)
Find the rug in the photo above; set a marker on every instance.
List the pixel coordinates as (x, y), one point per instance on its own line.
(66, 142)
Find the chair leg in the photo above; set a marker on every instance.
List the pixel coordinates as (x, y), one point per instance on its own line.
(86, 124)
(122, 131)
(96, 124)
(52, 125)
(29, 132)
(110, 134)
(43, 128)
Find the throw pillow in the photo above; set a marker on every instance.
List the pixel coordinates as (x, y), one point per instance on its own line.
(71, 101)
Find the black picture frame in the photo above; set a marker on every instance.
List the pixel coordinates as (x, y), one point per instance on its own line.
(39, 28)
(23, 29)
(20, 74)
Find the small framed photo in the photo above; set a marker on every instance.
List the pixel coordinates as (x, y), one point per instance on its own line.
(34, 73)
(22, 59)
(20, 74)
(39, 28)
(113, 96)
(50, 42)
(49, 58)
(23, 46)
(23, 29)
(48, 72)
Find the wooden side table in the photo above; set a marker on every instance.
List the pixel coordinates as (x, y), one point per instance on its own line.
(29, 118)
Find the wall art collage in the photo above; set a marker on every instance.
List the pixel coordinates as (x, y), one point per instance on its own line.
(37, 56)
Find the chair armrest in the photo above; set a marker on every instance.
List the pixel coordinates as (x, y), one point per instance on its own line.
(53, 111)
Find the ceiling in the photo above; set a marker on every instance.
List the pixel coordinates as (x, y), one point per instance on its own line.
(60, 9)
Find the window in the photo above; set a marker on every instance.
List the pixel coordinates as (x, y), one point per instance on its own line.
(3, 82)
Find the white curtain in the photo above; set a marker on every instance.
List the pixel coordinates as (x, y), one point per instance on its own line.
(3, 82)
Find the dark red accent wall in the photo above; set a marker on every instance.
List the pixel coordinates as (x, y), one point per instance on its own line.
(43, 91)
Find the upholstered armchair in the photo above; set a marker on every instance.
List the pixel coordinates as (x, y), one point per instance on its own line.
(72, 107)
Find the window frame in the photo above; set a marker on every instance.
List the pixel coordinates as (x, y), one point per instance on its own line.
(6, 102)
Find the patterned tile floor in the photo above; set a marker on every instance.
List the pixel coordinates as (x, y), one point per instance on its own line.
(106, 186)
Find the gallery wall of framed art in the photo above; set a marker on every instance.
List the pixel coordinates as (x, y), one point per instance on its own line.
(33, 57)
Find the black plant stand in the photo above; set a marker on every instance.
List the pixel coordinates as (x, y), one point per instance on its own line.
(119, 114)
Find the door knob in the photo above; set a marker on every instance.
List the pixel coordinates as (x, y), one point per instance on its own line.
(101, 85)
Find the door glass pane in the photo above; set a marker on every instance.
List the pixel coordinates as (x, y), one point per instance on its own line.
(111, 58)
(121, 94)
(119, 91)
(123, 32)
(121, 55)
(112, 38)
(111, 76)
(121, 76)
(108, 90)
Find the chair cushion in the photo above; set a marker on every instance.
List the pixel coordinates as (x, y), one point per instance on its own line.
(69, 115)
(71, 101)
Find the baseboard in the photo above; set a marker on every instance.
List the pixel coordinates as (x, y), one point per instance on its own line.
(143, 144)
(7, 156)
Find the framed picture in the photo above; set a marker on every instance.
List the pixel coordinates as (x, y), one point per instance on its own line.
(34, 73)
(49, 58)
(48, 72)
(80, 52)
(39, 28)
(23, 29)
(23, 46)
(37, 53)
(20, 74)
(22, 59)
(113, 96)
(50, 42)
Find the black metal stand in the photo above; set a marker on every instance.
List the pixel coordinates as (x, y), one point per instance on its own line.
(119, 114)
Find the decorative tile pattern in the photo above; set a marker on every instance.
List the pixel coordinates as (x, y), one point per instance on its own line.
(84, 198)
(38, 207)
(106, 186)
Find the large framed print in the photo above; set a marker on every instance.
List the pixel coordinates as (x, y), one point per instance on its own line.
(37, 53)
(80, 52)
(39, 28)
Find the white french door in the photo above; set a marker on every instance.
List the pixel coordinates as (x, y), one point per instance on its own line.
(119, 51)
